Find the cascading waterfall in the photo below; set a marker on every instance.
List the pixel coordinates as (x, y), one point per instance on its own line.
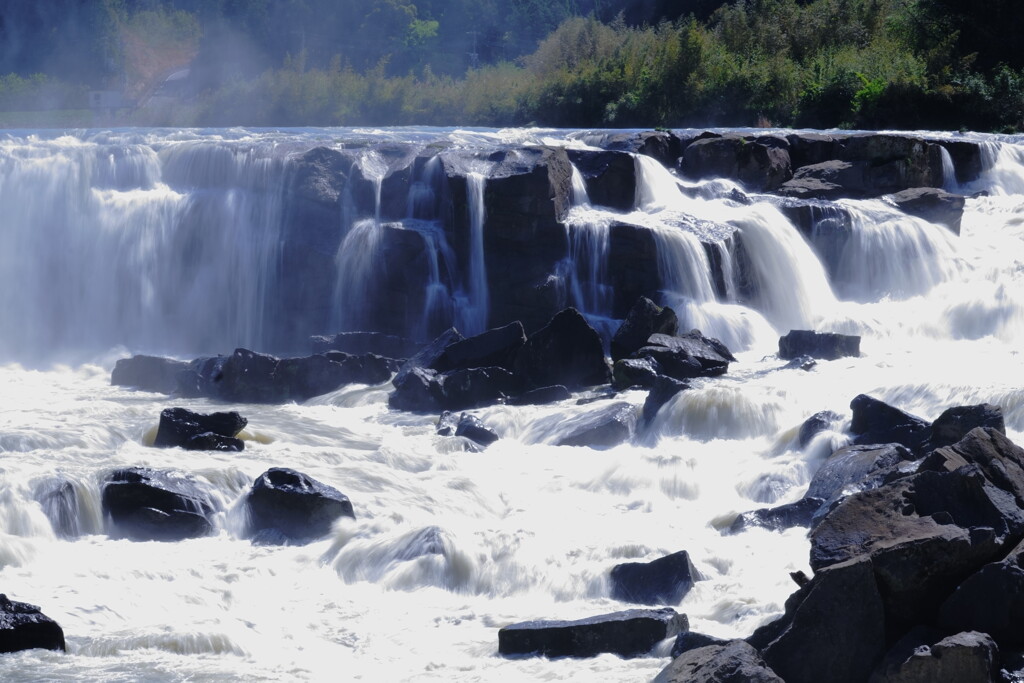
(949, 182)
(172, 240)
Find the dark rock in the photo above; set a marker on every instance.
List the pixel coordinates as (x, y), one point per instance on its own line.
(691, 640)
(601, 429)
(833, 628)
(728, 662)
(806, 149)
(363, 368)
(663, 581)
(875, 422)
(924, 535)
(427, 356)
(644, 319)
(823, 345)
(805, 363)
(998, 458)
(633, 249)
(202, 377)
(955, 423)
(541, 396)
(687, 356)
(832, 179)
(25, 627)
(566, 351)
(149, 373)
(60, 505)
(760, 165)
(294, 506)
(417, 390)
(387, 345)
(662, 146)
(153, 505)
(475, 387)
(966, 159)
(968, 657)
(493, 348)
(248, 377)
(468, 426)
(661, 393)
(628, 634)
(610, 177)
(931, 204)
(816, 424)
(178, 426)
(635, 372)
(857, 468)
(209, 441)
(991, 601)
(779, 517)
(895, 162)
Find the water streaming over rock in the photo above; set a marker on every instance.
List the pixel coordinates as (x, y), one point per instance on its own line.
(188, 242)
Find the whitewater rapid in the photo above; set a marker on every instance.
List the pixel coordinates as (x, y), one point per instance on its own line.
(448, 545)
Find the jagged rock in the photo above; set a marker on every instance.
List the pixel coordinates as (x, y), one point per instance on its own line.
(663, 146)
(644, 319)
(806, 149)
(687, 356)
(875, 422)
(816, 424)
(931, 204)
(201, 378)
(180, 427)
(896, 162)
(387, 345)
(417, 390)
(610, 177)
(990, 601)
(148, 373)
(144, 504)
(799, 513)
(475, 387)
(691, 640)
(628, 634)
(726, 662)
(468, 426)
(663, 581)
(25, 627)
(248, 377)
(427, 356)
(998, 458)
(566, 351)
(635, 372)
(601, 429)
(924, 535)
(968, 657)
(831, 179)
(286, 506)
(664, 389)
(493, 348)
(857, 468)
(833, 628)
(541, 396)
(955, 423)
(761, 164)
(823, 345)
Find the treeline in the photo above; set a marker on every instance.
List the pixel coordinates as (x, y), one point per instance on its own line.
(936, 64)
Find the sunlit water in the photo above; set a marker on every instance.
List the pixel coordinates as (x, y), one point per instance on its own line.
(447, 546)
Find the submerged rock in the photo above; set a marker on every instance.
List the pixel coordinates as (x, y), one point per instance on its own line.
(25, 627)
(628, 634)
(822, 345)
(468, 426)
(604, 428)
(144, 504)
(780, 517)
(289, 507)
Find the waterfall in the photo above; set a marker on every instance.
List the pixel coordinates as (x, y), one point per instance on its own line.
(949, 182)
(473, 315)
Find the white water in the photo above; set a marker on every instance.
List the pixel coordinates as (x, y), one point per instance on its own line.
(448, 545)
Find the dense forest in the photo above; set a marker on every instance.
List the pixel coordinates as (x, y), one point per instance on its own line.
(939, 64)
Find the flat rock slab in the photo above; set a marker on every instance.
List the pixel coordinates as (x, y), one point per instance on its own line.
(628, 634)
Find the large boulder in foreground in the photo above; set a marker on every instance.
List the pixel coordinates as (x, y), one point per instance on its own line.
(25, 627)
(955, 423)
(180, 427)
(968, 657)
(289, 507)
(990, 601)
(644, 319)
(144, 504)
(628, 634)
(733, 662)
(822, 345)
(833, 628)
(663, 581)
(876, 422)
(566, 351)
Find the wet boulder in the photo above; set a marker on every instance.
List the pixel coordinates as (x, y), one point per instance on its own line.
(25, 627)
(664, 581)
(541, 396)
(180, 427)
(687, 356)
(833, 628)
(920, 657)
(816, 424)
(417, 390)
(858, 468)
(821, 345)
(998, 458)
(144, 504)
(288, 507)
(876, 422)
(467, 426)
(955, 423)
(300, 379)
(931, 204)
(566, 351)
(609, 176)
(494, 348)
(628, 634)
(604, 428)
(635, 372)
(663, 391)
(780, 517)
(732, 661)
(248, 377)
(644, 319)
(148, 373)
(428, 354)
(990, 600)
(357, 343)
(475, 387)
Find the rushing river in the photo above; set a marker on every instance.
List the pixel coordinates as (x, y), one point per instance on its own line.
(447, 546)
